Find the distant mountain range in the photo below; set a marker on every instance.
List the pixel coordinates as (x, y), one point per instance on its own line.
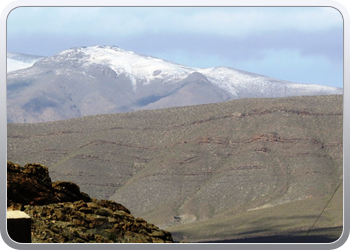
(17, 61)
(106, 79)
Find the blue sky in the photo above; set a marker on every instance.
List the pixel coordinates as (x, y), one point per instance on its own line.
(300, 44)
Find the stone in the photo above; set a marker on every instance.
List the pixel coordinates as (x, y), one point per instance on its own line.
(61, 213)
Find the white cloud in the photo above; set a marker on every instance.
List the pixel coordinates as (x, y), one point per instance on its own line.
(245, 21)
(234, 22)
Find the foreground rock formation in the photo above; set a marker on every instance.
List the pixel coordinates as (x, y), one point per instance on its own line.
(61, 213)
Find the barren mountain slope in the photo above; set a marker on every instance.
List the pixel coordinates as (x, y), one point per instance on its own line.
(197, 163)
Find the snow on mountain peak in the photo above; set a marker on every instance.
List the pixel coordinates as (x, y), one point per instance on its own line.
(17, 61)
(136, 67)
(143, 69)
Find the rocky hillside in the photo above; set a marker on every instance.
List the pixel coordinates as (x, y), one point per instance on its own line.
(195, 167)
(61, 213)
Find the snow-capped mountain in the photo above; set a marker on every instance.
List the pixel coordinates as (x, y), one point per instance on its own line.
(106, 79)
(16, 61)
(135, 67)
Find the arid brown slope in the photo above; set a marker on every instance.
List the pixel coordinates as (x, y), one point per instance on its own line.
(191, 164)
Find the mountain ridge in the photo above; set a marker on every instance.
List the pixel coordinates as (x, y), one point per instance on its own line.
(106, 79)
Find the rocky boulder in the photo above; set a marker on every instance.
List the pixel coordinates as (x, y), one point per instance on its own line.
(61, 213)
(32, 185)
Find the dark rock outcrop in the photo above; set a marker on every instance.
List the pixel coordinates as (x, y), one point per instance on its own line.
(32, 185)
(61, 213)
